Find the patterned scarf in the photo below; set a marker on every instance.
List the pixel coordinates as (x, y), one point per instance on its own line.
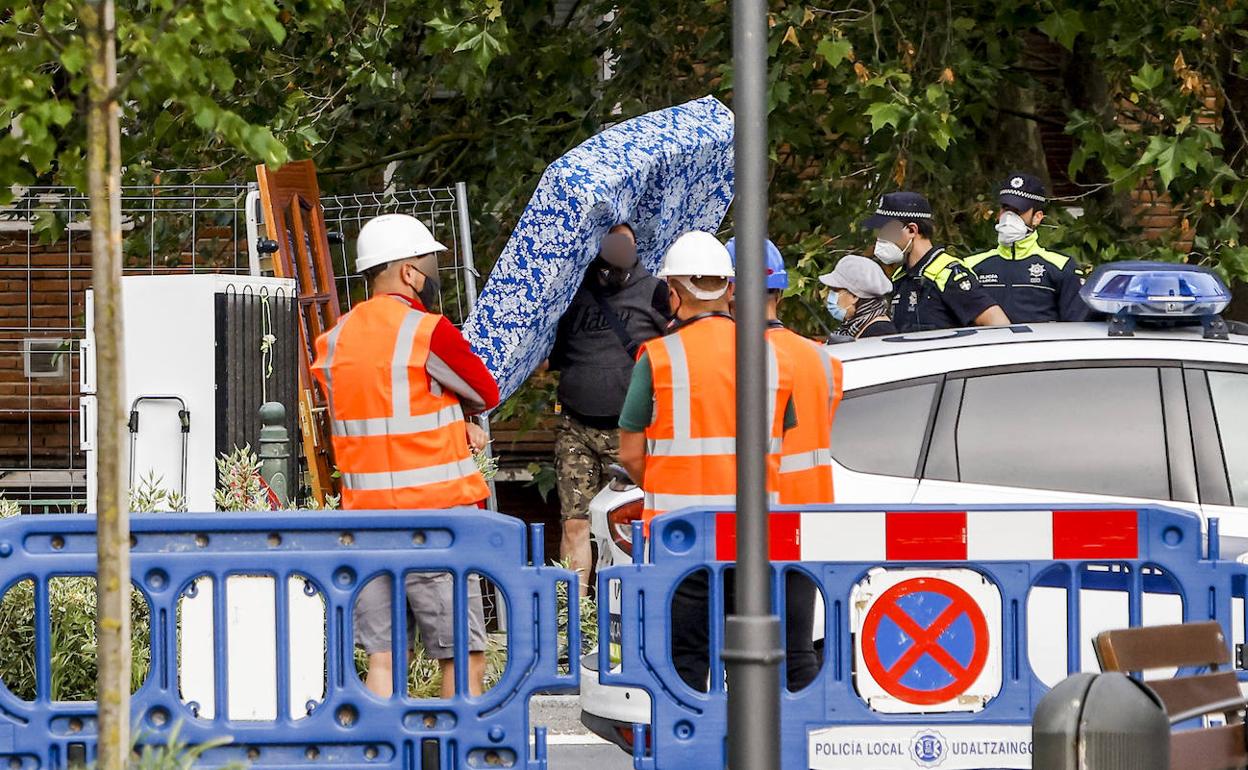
(866, 311)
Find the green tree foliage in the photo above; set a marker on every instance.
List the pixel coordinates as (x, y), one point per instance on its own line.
(942, 96)
(947, 97)
(218, 85)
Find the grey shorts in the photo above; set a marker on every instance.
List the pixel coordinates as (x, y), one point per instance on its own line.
(430, 601)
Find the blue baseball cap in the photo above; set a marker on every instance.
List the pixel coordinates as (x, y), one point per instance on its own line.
(777, 276)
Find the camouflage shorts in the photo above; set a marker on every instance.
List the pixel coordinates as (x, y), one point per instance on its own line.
(582, 456)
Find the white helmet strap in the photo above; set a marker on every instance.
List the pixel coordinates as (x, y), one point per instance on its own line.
(702, 294)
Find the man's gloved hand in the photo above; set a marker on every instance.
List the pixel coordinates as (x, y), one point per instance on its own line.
(476, 436)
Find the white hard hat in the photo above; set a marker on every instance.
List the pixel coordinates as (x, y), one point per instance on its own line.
(697, 253)
(859, 276)
(392, 237)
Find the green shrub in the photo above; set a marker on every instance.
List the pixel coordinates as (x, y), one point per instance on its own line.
(71, 607)
(72, 602)
(174, 754)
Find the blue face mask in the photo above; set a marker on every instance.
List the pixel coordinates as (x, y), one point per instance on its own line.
(838, 313)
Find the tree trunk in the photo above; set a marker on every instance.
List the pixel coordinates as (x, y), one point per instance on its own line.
(1238, 310)
(113, 517)
(1088, 90)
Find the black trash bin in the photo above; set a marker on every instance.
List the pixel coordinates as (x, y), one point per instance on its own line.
(1100, 722)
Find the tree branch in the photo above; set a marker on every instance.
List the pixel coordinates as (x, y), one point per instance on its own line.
(1030, 116)
(57, 45)
(576, 6)
(1034, 70)
(411, 152)
(437, 182)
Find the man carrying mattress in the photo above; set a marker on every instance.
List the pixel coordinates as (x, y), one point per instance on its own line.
(618, 307)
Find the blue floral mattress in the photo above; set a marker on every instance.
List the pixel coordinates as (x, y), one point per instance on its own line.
(665, 173)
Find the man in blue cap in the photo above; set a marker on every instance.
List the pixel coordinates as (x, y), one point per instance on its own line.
(1030, 282)
(932, 289)
(805, 456)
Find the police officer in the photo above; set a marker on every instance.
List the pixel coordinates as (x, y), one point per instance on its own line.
(1030, 282)
(932, 289)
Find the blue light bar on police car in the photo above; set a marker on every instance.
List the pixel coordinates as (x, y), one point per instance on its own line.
(1155, 289)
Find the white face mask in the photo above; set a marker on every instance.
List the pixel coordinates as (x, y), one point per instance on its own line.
(890, 253)
(1011, 228)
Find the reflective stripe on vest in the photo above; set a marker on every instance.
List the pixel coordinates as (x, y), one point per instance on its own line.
(671, 502)
(804, 461)
(414, 477)
(696, 447)
(388, 426)
(687, 463)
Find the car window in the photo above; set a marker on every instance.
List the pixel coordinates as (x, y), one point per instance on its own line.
(1230, 407)
(882, 432)
(1091, 430)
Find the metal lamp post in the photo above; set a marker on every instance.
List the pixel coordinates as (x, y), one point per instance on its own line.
(752, 645)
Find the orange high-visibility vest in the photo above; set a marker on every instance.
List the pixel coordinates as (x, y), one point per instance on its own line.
(399, 440)
(691, 442)
(806, 458)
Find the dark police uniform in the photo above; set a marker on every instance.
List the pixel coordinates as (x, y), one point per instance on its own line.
(937, 292)
(1031, 283)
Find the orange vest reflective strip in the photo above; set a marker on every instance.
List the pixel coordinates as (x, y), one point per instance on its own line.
(806, 458)
(399, 440)
(691, 445)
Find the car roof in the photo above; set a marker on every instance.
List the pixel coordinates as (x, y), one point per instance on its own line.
(1015, 334)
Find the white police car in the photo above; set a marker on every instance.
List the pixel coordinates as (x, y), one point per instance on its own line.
(1117, 411)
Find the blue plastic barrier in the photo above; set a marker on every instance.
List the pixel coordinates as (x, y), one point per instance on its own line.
(904, 653)
(335, 554)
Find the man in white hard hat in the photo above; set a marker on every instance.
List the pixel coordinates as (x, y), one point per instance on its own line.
(678, 426)
(398, 380)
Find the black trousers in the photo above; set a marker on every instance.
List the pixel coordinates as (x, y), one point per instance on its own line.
(691, 623)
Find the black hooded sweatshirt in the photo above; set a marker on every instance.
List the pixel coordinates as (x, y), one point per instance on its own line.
(594, 364)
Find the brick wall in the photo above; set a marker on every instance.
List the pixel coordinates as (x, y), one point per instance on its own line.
(42, 290)
(43, 296)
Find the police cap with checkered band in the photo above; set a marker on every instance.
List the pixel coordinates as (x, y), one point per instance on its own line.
(1022, 192)
(901, 207)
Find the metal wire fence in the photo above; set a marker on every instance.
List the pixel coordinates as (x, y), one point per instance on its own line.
(443, 210)
(45, 272)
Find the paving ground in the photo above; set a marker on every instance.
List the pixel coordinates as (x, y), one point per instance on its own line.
(570, 746)
(597, 757)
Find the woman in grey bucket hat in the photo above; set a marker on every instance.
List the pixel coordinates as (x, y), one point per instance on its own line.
(859, 298)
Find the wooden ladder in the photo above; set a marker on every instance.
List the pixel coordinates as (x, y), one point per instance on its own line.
(295, 223)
